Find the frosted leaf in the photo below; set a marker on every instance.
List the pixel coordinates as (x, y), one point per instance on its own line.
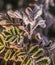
(18, 14)
(25, 19)
(39, 13)
(52, 47)
(42, 23)
(14, 14)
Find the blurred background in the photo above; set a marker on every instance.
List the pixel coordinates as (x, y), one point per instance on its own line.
(16, 4)
(13, 4)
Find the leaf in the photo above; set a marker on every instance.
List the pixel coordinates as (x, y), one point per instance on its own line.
(8, 38)
(6, 33)
(18, 14)
(28, 47)
(25, 60)
(39, 13)
(17, 55)
(35, 53)
(11, 38)
(1, 49)
(7, 55)
(1, 40)
(33, 49)
(21, 54)
(14, 36)
(38, 53)
(16, 30)
(42, 24)
(43, 61)
(12, 31)
(29, 62)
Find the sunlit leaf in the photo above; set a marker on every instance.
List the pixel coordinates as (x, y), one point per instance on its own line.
(7, 55)
(16, 30)
(2, 49)
(2, 40)
(13, 35)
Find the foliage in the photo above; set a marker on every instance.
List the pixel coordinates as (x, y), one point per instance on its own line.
(12, 46)
(35, 57)
(25, 57)
(14, 35)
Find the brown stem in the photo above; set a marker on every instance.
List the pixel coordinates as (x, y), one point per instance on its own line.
(16, 47)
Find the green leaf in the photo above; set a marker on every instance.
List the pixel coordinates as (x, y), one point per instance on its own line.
(7, 33)
(1, 40)
(14, 36)
(38, 53)
(11, 38)
(12, 31)
(18, 38)
(7, 55)
(29, 62)
(16, 30)
(25, 61)
(43, 61)
(28, 47)
(33, 49)
(8, 38)
(1, 49)
(21, 54)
